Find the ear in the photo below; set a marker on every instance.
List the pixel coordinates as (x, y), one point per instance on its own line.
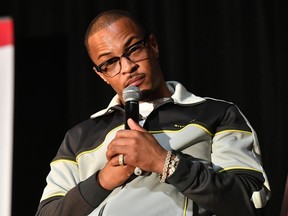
(101, 75)
(154, 44)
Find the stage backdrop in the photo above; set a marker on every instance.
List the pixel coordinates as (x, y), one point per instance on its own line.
(232, 50)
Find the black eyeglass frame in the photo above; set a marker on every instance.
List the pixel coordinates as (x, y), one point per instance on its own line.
(143, 41)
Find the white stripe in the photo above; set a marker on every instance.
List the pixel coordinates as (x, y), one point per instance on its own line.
(6, 127)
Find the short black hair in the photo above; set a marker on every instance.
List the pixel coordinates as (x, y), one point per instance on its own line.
(105, 18)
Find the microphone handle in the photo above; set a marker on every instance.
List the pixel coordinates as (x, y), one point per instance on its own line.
(131, 111)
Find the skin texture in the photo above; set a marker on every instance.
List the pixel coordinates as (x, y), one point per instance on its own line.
(140, 149)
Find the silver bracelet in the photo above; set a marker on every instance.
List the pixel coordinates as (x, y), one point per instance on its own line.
(173, 165)
(163, 176)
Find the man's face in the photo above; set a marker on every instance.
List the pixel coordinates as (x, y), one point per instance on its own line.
(111, 41)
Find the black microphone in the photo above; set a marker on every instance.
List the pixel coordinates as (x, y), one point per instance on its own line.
(131, 96)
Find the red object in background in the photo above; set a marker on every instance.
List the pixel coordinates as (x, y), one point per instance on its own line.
(6, 31)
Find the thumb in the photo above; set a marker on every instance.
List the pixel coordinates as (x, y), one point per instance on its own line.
(135, 126)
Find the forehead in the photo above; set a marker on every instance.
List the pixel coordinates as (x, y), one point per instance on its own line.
(113, 37)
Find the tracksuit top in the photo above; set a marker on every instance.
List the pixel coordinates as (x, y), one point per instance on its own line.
(219, 173)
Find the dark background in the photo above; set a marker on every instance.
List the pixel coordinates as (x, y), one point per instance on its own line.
(234, 50)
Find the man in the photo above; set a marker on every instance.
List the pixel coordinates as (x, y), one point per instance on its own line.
(199, 156)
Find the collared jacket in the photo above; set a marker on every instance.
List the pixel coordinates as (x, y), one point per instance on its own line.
(219, 172)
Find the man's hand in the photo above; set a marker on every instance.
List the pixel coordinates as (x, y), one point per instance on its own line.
(139, 147)
(114, 175)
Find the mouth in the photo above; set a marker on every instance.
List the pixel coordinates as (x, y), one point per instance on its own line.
(135, 80)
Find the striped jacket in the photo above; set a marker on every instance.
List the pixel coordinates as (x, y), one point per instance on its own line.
(219, 172)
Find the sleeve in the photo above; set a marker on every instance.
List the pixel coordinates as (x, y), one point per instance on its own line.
(64, 193)
(234, 183)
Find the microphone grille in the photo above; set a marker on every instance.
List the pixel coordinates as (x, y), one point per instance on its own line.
(131, 93)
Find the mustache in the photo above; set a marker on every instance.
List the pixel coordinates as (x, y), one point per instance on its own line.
(134, 76)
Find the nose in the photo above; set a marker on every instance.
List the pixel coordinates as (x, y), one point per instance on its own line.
(127, 66)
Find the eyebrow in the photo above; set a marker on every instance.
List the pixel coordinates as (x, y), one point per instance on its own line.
(125, 45)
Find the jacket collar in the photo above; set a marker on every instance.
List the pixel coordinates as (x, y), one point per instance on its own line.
(180, 95)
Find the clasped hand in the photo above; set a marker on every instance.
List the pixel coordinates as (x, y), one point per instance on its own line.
(140, 149)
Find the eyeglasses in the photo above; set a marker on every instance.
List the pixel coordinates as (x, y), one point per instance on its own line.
(133, 53)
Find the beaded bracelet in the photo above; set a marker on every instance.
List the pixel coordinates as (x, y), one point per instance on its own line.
(173, 165)
(163, 176)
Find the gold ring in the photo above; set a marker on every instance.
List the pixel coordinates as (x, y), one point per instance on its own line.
(121, 160)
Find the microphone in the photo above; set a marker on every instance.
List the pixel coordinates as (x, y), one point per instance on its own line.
(131, 96)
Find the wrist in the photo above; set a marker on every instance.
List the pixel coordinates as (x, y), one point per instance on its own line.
(170, 165)
(101, 182)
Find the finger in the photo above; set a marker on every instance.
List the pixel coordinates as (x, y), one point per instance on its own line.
(112, 152)
(134, 126)
(117, 146)
(114, 161)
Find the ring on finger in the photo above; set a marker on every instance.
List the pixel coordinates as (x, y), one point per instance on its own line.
(121, 160)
